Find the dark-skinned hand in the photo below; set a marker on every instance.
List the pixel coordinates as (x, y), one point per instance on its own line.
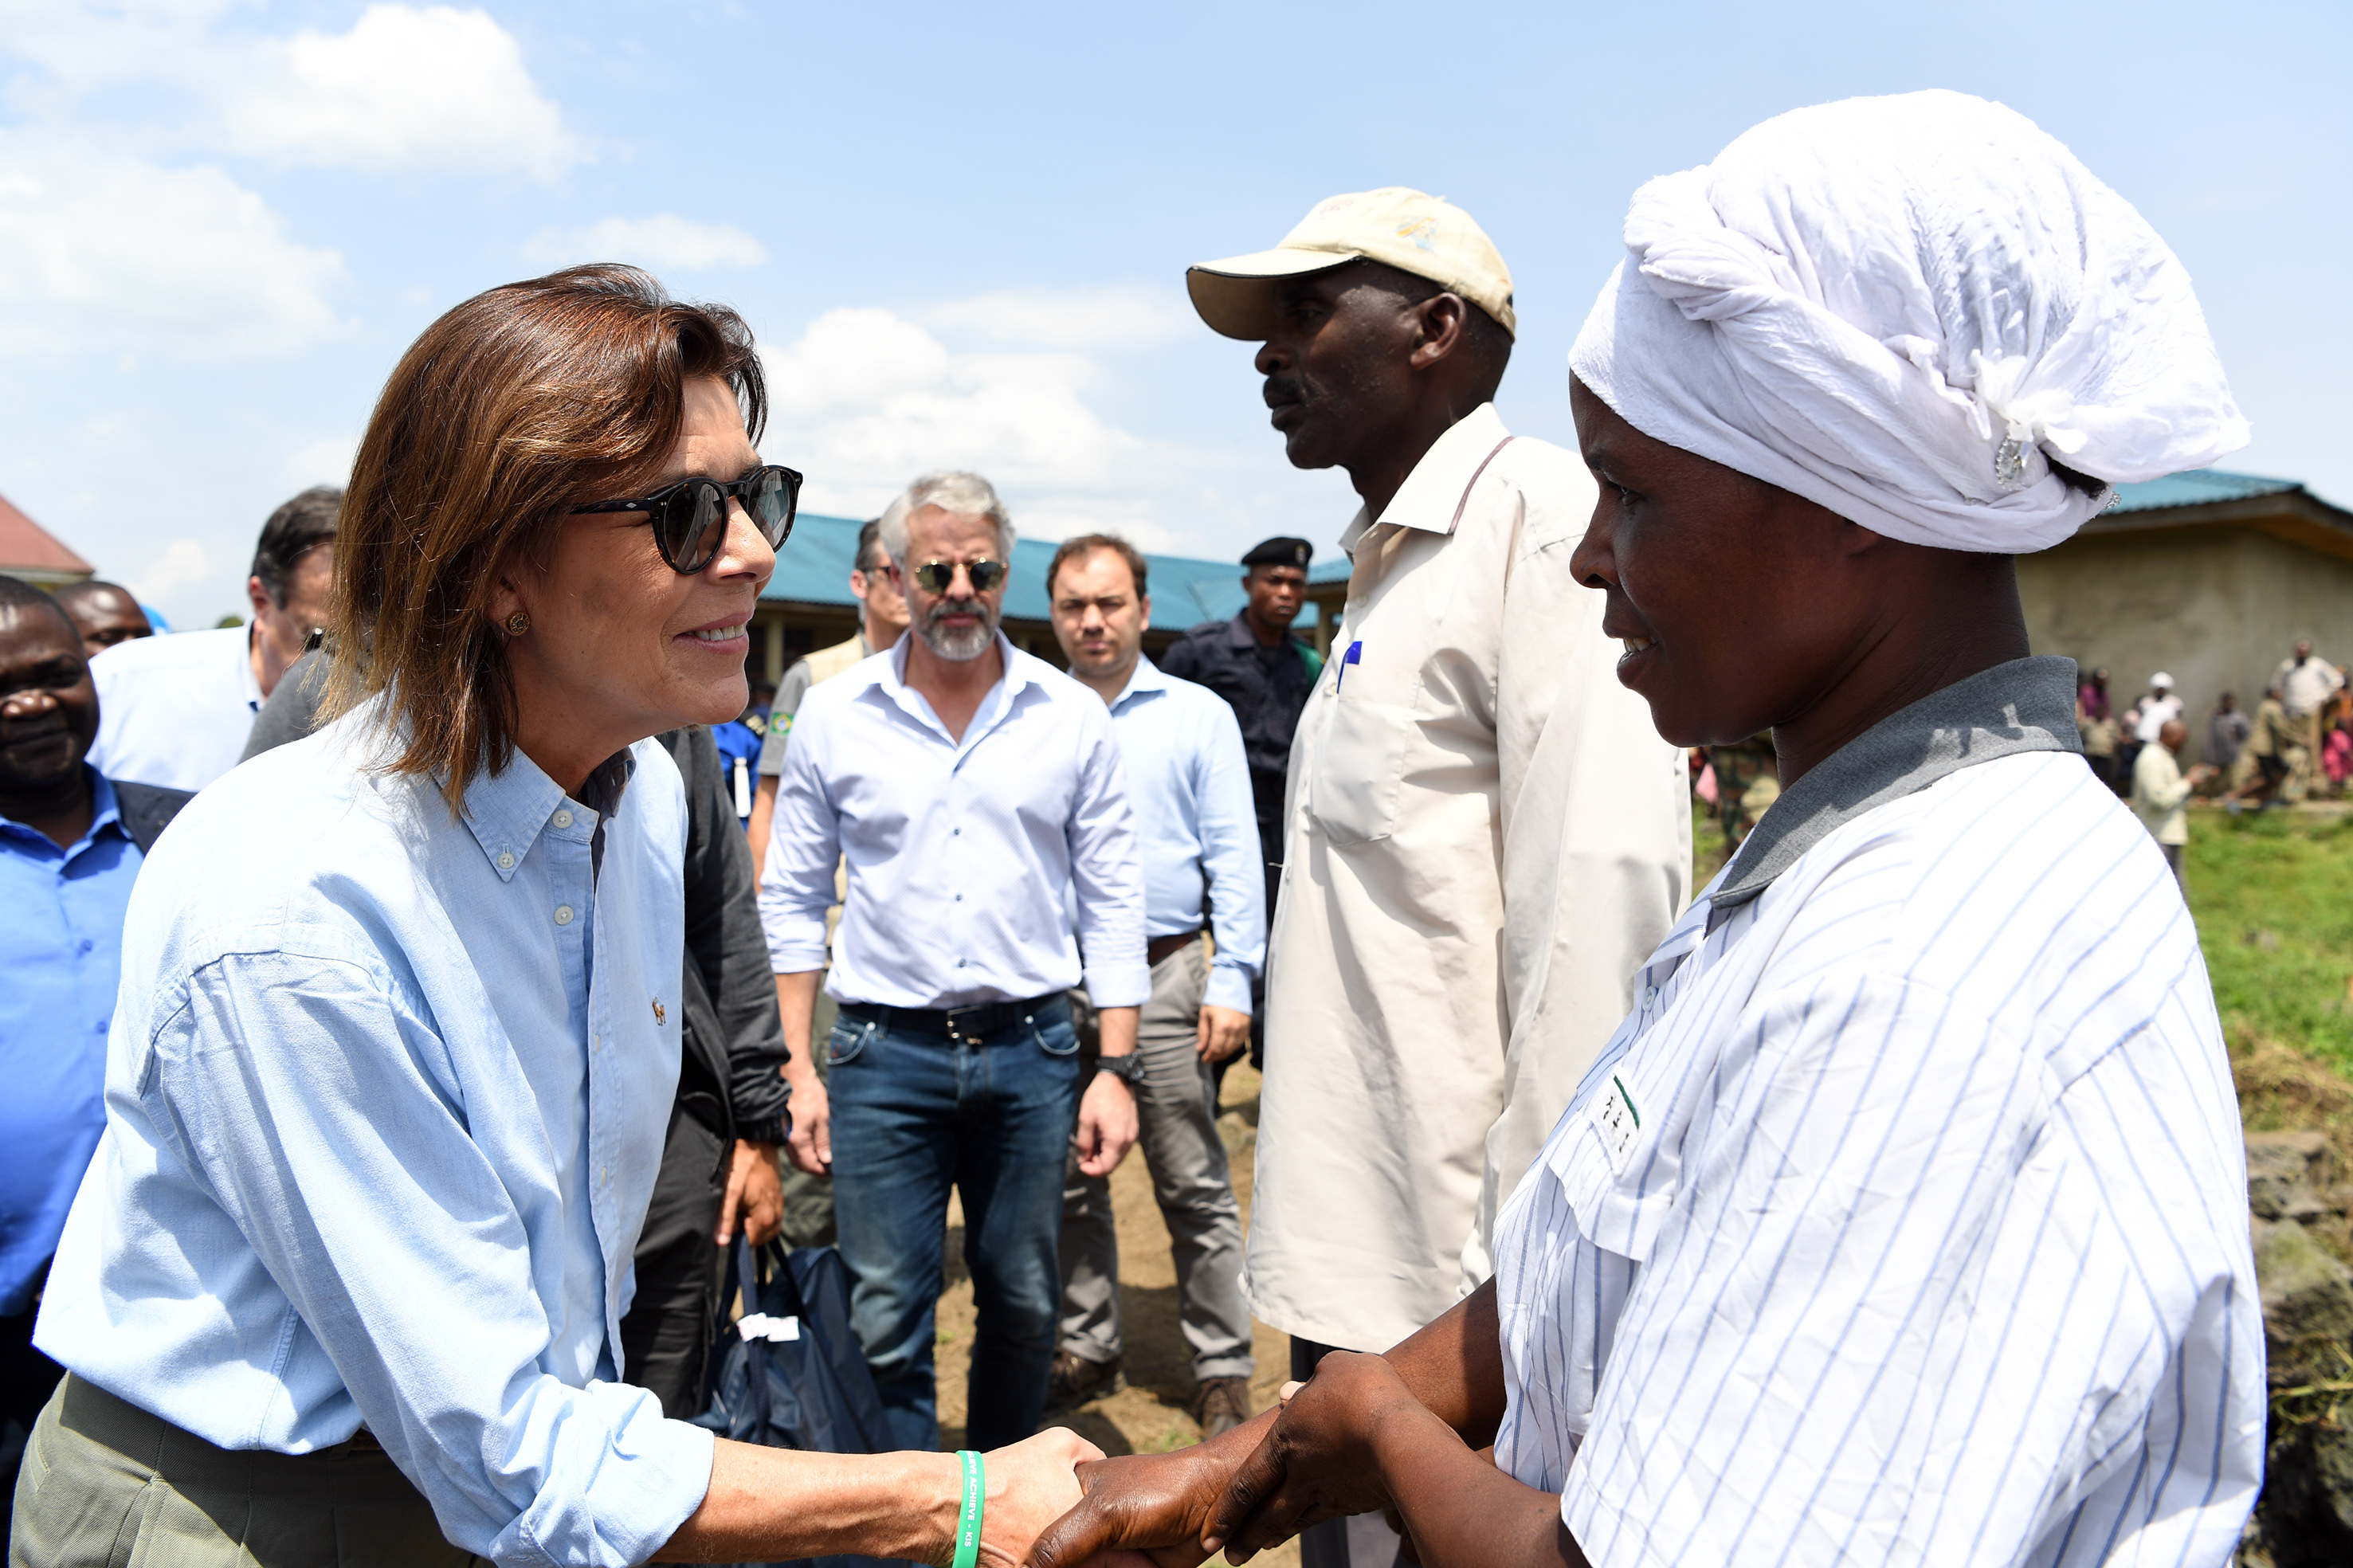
(1148, 1509)
(1318, 1462)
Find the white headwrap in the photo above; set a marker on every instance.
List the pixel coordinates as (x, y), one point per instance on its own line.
(1896, 307)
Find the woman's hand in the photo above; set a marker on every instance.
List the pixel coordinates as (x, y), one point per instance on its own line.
(1030, 1485)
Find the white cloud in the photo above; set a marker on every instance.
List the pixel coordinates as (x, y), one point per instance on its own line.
(408, 87)
(179, 564)
(865, 400)
(1123, 317)
(662, 241)
(327, 462)
(109, 250)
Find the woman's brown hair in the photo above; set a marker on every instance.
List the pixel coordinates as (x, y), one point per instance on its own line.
(514, 407)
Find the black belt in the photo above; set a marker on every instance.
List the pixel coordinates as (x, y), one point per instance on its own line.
(965, 1025)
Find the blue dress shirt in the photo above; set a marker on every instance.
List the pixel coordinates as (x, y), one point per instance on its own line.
(385, 1095)
(963, 855)
(60, 960)
(1189, 781)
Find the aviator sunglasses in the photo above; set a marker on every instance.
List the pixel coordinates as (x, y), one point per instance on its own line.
(935, 576)
(690, 517)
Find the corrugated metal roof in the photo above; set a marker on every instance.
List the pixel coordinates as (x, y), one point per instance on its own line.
(2198, 487)
(813, 568)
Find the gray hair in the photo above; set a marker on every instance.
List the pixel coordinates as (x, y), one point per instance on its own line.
(967, 494)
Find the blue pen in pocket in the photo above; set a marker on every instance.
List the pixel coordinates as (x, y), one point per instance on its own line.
(1355, 655)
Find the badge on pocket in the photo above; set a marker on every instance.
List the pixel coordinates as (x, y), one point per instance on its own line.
(1614, 1116)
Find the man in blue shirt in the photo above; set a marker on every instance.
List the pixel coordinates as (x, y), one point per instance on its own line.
(71, 845)
(1189, 781)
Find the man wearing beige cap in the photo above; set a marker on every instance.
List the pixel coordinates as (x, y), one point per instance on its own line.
(1484, 835)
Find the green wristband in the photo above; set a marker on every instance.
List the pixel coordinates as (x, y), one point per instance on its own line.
(976, 1490)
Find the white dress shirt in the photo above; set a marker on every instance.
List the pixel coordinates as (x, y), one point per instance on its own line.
(385, 1096)
(961, 854)
(1188, 778)
(1905, 1221)
(174, 709)
(1484, 835)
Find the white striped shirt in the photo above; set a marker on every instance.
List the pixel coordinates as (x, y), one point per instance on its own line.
(1905, 1219)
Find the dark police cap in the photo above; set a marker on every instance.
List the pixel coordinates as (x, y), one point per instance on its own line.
(1281, 552)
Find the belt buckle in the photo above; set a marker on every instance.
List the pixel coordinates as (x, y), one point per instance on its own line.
(956, 1015)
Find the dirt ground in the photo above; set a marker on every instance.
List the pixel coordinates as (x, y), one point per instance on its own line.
(1148, 1415)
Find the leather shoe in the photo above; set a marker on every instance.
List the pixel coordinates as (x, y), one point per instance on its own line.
(1221, 1404)
(1075, 1380)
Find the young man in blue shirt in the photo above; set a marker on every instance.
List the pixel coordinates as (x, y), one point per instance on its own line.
(1188, 781)
(70, 846)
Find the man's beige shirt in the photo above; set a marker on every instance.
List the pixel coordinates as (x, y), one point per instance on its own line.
(1484, 839)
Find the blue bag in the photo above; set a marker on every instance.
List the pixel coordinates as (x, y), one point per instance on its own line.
(792, 1375)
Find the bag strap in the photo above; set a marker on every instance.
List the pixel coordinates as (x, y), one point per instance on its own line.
(747, 1280)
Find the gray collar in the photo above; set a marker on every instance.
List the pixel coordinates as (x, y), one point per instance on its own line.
(2026, 705)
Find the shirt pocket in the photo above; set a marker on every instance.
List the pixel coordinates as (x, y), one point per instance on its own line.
(1359, 768)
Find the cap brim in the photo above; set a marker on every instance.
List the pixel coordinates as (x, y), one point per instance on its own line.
(1236, 296)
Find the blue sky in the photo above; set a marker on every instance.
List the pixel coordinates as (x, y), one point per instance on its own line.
(961, 232)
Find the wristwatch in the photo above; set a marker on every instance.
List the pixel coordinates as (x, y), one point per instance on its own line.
(1126, 1068)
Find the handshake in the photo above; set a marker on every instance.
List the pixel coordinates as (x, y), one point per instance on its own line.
(1252, 1487)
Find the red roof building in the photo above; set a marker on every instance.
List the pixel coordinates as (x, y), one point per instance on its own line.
(30, 552)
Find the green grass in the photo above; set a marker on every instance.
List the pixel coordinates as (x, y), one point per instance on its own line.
(2272, 894)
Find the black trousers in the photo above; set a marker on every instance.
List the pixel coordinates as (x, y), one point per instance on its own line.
(666, 1339)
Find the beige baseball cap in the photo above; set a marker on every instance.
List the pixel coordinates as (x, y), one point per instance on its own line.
(1426, 235)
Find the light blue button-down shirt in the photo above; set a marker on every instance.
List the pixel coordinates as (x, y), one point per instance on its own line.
(1189, 781)
(385, 1095)
(961, 854)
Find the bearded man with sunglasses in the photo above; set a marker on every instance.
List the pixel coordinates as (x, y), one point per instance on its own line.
(976, 796)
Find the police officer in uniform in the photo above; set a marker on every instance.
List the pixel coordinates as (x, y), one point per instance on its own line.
(1265, 672)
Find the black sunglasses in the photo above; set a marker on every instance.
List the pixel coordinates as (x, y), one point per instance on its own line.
(935, 576)
(690, 517)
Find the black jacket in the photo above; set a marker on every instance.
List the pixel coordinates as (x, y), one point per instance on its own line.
(146, 810)
(730, 1076)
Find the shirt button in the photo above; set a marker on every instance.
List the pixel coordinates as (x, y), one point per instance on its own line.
(563, 914)
(562, 819)
(959, 963)
(604, 1176)
(955, 833)
(86, 944)
(959, 899)
(506, 861)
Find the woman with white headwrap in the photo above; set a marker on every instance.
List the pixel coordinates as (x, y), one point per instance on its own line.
(1905, 1219)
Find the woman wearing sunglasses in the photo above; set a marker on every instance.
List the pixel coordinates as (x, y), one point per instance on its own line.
(387, 1089)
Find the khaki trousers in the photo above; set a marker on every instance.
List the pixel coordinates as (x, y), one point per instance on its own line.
(104, 1483)
(1176, 1114)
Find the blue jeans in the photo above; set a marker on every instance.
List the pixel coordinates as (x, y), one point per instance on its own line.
(912, 1113)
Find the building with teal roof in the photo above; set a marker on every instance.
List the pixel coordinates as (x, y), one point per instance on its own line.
(807, 605)
(2207, 576)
